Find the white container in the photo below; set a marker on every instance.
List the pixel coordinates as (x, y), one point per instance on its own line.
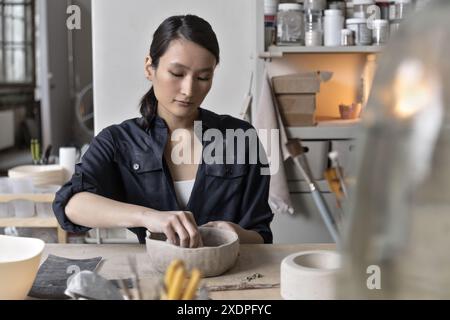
(333, 24)
(314, 4)
(313, 28)
(289, 24)
(6, 209)
(67, 160)
(380, 31)
(363, 35)
(22, 208)
(349, 10)
(394, 26)
(361, 8)
(270, 7)
(403, 8)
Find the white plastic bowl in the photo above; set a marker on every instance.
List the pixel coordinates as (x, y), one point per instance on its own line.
(39, 174)
(19, 264)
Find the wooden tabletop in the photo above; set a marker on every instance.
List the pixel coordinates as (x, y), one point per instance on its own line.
(253, 259)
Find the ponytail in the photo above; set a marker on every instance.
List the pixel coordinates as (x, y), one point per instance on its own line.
(148, 107)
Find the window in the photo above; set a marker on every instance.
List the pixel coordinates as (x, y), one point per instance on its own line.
(17, 52)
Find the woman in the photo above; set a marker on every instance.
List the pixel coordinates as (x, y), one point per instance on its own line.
(131, 176)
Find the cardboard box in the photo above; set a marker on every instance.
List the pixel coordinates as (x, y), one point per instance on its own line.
(296, 97)
(308, 82)
(297, 103)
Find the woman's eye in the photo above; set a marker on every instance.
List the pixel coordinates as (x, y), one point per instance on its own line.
(203, 79)
(178, 75)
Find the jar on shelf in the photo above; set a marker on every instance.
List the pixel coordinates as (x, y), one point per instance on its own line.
(384, 6)
(270, 14)
(361, 8)
(313, 28)
(314, 4)
(347, 38)
(363, 35)
(333, 24)
(290, 24)
(380, 31)
(403, 8)
(394, 26)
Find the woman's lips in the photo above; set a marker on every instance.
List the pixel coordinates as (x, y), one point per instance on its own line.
(183, 103)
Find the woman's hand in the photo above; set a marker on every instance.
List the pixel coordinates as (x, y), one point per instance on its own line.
(179, 227)
(245, 236)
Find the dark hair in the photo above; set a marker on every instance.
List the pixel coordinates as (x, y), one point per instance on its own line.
(189, 27)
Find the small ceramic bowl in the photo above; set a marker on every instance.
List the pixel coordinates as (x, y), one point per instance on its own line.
(309, 275)
(19, 264)
(219, 253)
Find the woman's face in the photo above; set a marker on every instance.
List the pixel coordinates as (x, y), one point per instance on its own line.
(182, 79)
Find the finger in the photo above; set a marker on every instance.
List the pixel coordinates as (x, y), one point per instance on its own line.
(170, 234)
(182, 233)
(192, 229)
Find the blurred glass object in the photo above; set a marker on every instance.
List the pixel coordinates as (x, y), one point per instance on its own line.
(398, 233)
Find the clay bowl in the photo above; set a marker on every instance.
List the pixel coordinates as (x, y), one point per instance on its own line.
(19, 264)
(219, 253)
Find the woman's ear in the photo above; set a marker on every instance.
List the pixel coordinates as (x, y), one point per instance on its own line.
(148, 69)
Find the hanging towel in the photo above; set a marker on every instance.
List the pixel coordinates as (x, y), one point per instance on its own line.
(268, 117)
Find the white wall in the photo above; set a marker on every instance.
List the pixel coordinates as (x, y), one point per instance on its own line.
(122, 33)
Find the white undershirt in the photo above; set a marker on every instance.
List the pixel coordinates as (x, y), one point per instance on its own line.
(183, 190)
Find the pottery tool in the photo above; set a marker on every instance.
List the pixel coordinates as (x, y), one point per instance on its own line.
(333, 155)
(295, 150)
(177, 285)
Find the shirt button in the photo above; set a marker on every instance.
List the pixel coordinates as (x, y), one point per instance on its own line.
(136, 166)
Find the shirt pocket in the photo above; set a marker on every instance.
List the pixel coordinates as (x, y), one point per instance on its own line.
(137, 162)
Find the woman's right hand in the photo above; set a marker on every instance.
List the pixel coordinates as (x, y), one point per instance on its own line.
(179, 227)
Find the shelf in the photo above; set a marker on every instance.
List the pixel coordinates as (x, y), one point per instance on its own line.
(278, 51)
(34, 222)
(36, 197)
(328, 130)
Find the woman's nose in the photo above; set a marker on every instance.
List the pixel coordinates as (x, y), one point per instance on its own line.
(186, 86)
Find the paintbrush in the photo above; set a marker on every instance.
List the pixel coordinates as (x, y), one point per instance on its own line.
(295, 150)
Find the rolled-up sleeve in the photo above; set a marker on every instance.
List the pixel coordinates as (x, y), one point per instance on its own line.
(96, 174)
(256, 212)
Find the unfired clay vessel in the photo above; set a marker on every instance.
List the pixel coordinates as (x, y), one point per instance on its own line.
(219, 253)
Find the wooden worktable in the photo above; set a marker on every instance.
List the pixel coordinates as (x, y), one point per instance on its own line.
(262, 259)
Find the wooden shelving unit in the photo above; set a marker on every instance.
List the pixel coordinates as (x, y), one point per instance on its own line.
(33, 222)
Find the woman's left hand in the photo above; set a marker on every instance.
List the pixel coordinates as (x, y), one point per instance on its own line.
(225, 225)
(245, 236)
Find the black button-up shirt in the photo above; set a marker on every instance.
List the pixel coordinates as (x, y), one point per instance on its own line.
(126, 163)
